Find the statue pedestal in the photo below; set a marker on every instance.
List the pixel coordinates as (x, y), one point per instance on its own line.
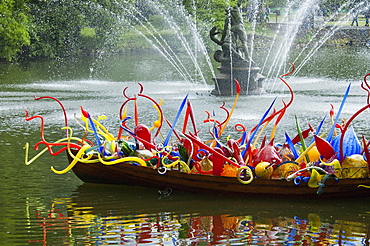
(249, 78)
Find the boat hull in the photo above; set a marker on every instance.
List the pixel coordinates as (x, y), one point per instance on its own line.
(135, 175)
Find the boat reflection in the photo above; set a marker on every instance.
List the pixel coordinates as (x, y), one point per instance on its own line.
(108, 214)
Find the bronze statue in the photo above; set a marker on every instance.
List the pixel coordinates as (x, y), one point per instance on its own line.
(234, 56)
(234, 36)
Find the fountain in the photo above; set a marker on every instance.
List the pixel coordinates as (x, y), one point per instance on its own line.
(234, 58)
(174, 33)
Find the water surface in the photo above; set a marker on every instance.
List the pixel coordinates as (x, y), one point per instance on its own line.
(39, 207)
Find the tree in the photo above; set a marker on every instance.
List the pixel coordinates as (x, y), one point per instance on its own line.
(208, 11)
(64, 28)
(14, 22)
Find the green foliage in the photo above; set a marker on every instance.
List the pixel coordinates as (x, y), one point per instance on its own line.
(207, 14)
(51, 28)
(68, 27)
(13, 28)
(88, 32)
(208, 11)
(57, 26)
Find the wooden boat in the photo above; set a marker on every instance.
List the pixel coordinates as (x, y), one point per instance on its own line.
(136, 175)
(337, 166)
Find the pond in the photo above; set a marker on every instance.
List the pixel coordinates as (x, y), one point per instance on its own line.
(39, 207)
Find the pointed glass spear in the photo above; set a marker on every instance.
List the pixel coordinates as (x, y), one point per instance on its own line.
(256, 130)
(167, 140)
(98, 143)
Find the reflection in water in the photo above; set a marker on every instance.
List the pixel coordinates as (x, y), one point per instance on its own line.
(138, 216)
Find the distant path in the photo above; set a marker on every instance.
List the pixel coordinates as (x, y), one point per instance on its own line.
(345, 35)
